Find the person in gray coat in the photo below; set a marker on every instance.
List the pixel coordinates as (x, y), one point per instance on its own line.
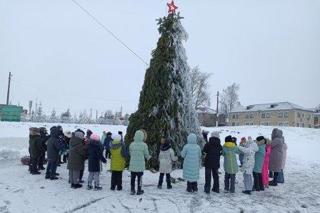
(276, 155)
(77, 156)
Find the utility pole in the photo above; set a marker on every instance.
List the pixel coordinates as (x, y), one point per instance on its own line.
(217, 110)
(8, 92)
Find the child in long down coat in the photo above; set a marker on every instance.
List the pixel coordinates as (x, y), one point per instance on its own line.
(229, 152)
(265, 167)
(212, 151)
(258, 163)
(118, 162)
(77, 157)
(95, 156)
(191, 153)
(138, 151)
(166, 156)
(248, 163)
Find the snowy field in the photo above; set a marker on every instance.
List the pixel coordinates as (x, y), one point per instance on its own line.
(22, 192)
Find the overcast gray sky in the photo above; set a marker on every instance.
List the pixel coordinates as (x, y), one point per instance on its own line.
(60, 57)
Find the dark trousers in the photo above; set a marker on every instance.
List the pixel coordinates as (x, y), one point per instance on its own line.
(192, 186)
(41, 160)
(51, 169)
(33, 164)
(168, 179)
(65, 158)
(135, 175)
(81, 175)
(208, 177)
(229, 181)
(257, 182)
(107, 154)
(116, 180)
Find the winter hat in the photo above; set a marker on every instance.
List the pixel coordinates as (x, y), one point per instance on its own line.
(67, 133)
(260, 138)
(228, 138)
(95, 137)
(89, 132)
(79, 134)
(215, 134)
(109, 133)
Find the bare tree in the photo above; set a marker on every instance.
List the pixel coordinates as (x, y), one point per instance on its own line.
(229, 98)
(200, 87)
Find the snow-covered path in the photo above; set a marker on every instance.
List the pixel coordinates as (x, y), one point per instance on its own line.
(22, 192)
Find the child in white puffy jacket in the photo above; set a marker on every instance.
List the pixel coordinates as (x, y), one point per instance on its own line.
(166, 156)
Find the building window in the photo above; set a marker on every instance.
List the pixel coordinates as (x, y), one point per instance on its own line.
(233, 124)
(267, 115)
(251, 115)
(237, 116)
(286, 114)
(280, 115)
(298, 114)
(297, 125)
(263, 115)
(233, 116)
(247, 116)
(302, 125)
(280, 124)
(247, 124)
(251, 124)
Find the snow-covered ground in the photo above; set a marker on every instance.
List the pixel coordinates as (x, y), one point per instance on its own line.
(22, 192)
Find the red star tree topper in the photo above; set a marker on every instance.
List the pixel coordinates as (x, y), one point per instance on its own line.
(172, 7)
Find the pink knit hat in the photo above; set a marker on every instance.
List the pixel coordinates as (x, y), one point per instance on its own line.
(95, 137)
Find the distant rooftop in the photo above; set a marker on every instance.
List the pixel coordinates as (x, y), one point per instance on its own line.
(270, 107)
(206, 110)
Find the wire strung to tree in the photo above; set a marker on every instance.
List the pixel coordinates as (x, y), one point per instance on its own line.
(109, 31)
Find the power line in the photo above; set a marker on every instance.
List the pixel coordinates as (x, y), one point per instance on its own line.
(109, 31)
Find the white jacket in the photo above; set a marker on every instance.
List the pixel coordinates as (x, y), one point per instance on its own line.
(165, 159)
(248, 160)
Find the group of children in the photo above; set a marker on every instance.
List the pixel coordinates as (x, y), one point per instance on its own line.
(254, 158)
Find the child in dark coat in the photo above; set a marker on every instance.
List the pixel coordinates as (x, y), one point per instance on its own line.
(212, 151)
(95, 155)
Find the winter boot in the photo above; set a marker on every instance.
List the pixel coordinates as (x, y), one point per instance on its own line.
(169, 186)
(112, 188)
(159, 187)
(89, 187)
(133, 192)
(195, 187)
(140, 191)
(189, 188)
(119, 188)
(47, 176)
(246, 192)
(96, 188)
(206, 190)
(53, 178)
(35, 173)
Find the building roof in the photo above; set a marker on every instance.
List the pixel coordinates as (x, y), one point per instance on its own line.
(206, 110)
(270, 107)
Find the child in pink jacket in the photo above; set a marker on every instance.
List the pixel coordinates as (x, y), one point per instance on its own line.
(265, 168)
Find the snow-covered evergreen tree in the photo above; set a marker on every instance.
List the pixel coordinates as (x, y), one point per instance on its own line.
(166, 107)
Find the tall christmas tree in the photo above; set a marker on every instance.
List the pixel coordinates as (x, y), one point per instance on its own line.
(166, 107)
